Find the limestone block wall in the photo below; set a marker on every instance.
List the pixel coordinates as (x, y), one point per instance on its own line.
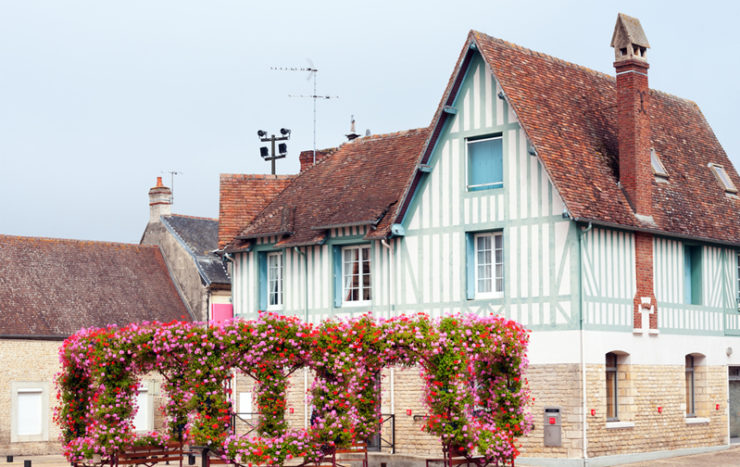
(642, 389)
(555, 386)
(28, 361)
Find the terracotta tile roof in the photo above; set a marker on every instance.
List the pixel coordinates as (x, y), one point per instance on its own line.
(569, 114)
(199, 235)
(242, 197)
(51, 287)
(358, 184)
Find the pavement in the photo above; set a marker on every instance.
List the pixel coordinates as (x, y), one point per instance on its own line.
(724, 458)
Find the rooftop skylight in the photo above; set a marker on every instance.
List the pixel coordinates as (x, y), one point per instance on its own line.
(723, 177)
(658, 168)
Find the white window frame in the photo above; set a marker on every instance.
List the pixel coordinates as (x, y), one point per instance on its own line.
(21, 387)
(146, 391)
(496, 281)
(279, 280)
(346, 275)
(484, 186)
(738, 280)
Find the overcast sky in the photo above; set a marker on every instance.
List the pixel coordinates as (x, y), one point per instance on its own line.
(98, 98)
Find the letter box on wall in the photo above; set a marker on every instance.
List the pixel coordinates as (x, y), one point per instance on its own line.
(553, 426)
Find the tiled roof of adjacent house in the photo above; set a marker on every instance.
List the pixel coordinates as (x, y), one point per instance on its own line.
(200, 236)
(357, 185)
(52, 288)
(242, 197)
(569, 114)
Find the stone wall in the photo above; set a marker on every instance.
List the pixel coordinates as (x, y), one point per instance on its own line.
(181, 266)
(28, 361)
(642, 390)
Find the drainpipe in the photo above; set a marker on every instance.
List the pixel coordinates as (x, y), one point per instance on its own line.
(387, 246)
(305, 304)
(584, 440)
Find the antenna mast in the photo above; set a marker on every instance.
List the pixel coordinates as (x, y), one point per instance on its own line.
(172, 184)
(312, 72)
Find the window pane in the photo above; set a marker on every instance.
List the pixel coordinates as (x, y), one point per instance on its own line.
(485, 169)
(141, 419)
(30, 412)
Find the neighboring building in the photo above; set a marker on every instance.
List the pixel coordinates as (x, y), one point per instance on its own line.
(601, 214)
(49, 289)
(188, 246)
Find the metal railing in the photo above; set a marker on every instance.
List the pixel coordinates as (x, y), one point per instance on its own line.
(377, 442)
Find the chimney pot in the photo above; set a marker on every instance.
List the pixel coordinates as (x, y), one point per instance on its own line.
(160, 201)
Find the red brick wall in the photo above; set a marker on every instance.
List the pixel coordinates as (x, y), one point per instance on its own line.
(644, 276)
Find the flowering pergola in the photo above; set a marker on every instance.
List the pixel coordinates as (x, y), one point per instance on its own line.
(471, 365)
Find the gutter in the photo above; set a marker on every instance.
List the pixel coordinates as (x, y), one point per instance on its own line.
(33, 338)
(584, 418)
(658, 232)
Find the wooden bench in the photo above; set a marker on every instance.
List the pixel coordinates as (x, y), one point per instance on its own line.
(354, 454)
(150, 455)
(476, 461)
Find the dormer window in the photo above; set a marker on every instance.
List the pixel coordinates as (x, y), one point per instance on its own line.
(723, 177)
(658, 167)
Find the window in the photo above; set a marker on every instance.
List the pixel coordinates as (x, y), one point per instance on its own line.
(356, 286)
(30, 411)
(143, 418)
(612, 404)
(692, 275)
(690, 399)
(658, 167)
(485, 265)
(485, 163)
(274, 280)
(245, 405)
(271, 274)
(723, 177)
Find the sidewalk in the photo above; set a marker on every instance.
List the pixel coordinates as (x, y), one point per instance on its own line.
(45, 461)
(725, 458)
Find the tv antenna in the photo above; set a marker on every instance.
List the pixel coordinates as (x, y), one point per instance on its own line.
(172, 184)
(312, 72)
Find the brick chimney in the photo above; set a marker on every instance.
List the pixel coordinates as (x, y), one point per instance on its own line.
(633, 123)
(306, 157)
(160, 201)
(635, 169)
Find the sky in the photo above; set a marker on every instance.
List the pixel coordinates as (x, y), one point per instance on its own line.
(97, 99)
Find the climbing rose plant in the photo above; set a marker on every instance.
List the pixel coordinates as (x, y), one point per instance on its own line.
(471, 365)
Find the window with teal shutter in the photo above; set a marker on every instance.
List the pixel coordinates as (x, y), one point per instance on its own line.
(484, 253)
(692, 275)
(485, 163)
(337, 269)
(262, 280)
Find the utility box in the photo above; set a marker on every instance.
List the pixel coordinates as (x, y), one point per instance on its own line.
(553, 427)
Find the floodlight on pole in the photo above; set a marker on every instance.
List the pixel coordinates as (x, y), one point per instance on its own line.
(269, 154)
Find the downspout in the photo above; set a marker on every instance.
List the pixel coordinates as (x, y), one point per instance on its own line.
(385, 243)
(305, 305)
(584, 441)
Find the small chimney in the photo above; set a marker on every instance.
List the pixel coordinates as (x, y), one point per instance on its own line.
(633, 123)
(352, 135)
(306, 157)
(160, 201)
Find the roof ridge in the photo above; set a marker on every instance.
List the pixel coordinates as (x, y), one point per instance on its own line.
(394, 134)
(193, 217)
(259, 176)
(74, 240)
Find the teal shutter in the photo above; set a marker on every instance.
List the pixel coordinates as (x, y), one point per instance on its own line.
(696, 292)
(687, 275)
(337, 261)
(469, 266)
(262, 280)
(485, 164)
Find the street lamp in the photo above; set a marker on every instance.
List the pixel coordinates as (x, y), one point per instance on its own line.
(269, 154)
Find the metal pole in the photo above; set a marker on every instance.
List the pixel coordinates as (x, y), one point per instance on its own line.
(273, 154)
